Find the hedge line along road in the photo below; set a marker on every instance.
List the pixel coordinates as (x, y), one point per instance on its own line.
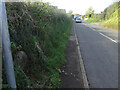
(99, 50)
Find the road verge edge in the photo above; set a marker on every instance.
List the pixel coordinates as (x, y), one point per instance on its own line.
(85, 81)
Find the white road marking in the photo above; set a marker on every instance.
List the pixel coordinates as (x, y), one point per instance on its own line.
(108, 37)
(89, 27)
(103, 35)
(92, 29)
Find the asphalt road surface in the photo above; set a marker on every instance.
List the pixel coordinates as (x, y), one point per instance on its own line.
(99, 50)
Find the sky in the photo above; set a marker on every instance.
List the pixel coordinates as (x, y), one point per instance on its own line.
(81, 6)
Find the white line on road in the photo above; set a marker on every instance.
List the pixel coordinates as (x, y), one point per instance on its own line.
(108, 37)
(92, 29)
(103, 35)
(89, 27)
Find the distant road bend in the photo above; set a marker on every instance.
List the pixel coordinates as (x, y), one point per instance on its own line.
(99, 50)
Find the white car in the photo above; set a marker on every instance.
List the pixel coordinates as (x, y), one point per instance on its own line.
(78, 20)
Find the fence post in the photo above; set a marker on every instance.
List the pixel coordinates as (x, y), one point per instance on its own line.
(6, 47)
(0, 48)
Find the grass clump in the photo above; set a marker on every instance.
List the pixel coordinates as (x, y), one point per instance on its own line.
(41, 31)
(90, 20)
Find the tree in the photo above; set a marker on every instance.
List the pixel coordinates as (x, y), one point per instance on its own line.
(70, 12)
(89, 12)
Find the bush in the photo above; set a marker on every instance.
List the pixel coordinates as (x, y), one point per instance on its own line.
(41, 31)
(113, 20)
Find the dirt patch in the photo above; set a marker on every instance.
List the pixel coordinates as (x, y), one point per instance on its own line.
(71, 76)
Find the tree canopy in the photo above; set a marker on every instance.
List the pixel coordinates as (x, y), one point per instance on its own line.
(89, 11)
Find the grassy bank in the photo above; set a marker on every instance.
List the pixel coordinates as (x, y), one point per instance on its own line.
(109, 18)
(92, 20)
(41, 31)
(112, 22)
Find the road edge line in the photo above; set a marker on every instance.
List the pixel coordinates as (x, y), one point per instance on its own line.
(103, 34)
(108, 37)
(85, 81)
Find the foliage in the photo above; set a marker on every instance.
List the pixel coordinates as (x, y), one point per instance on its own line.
(41, 31)
(21, 79)
(99, 16)
(112, 16)
(92, 20)
(111, 9)
(109, 17)
(113, 21)
(90, 12)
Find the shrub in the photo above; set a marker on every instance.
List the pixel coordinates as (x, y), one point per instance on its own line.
(41, 31)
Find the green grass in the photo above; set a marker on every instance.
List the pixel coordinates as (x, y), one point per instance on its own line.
(41, 31)
(57, 59)
(112, 22)
(92, 20)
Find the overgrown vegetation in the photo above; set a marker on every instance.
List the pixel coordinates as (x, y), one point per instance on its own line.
(108, 18)
(41, 31)
(92, 20)
(112, 17)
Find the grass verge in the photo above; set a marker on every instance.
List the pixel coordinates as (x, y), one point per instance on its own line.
(113, 21)
(90, 20)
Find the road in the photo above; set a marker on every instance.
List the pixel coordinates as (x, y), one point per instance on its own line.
(99, 51)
